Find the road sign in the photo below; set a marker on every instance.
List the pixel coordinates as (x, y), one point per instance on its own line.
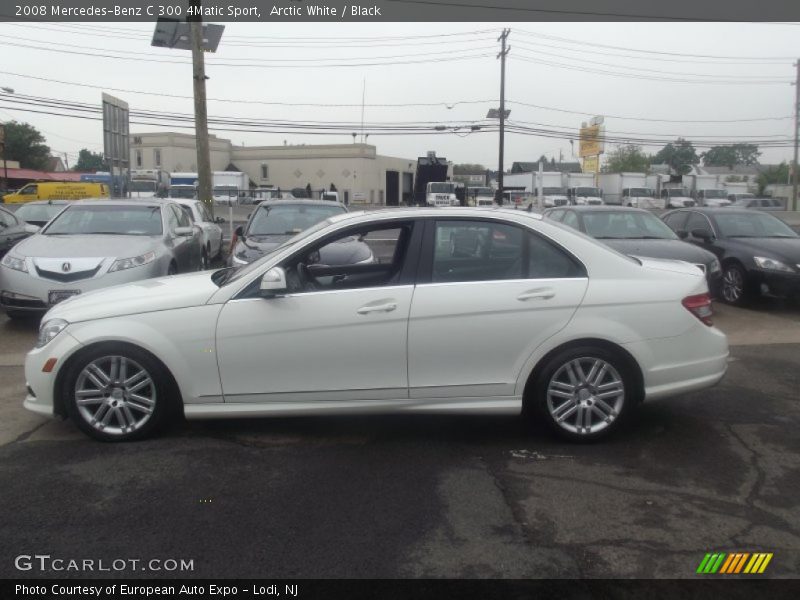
(591, 143)
(116, 149)
(591, 164)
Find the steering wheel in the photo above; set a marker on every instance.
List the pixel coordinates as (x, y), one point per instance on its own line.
(307, 280)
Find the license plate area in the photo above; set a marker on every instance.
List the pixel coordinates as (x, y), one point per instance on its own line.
(56, 296)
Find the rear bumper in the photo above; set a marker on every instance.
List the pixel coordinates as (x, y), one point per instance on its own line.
(693, 361)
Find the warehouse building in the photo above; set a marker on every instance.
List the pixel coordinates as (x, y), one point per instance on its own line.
(356, 171)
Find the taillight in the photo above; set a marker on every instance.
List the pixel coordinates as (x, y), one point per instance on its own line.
(700, 307)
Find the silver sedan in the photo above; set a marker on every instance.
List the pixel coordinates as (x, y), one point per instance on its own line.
(96, 244)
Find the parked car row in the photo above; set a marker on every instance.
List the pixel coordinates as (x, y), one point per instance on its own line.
(743, 253)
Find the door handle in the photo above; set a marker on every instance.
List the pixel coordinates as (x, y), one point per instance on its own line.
(540, 293)
(388, 307)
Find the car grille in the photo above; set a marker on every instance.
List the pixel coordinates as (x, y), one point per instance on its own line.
(67, 277)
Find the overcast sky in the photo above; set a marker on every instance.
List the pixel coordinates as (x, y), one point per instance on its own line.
(578, 77)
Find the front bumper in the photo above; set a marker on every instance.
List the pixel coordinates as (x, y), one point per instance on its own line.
(30, 293)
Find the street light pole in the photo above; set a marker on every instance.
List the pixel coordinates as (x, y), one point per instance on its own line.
(201, 109)
(502, 57)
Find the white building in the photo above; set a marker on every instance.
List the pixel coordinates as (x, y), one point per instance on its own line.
(356, 170)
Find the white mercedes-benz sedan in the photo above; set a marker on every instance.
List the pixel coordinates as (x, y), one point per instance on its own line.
(464, 309)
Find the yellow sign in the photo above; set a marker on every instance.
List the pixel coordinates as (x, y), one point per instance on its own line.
(591, 164)
(590, 142)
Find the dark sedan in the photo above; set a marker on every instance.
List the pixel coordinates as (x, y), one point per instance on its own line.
(276, 221)
(637, 232)
(760, 254)
(12, 230)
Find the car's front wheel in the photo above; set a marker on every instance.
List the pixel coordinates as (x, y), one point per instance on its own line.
(585, 393)
(735, 287)
(116, 393)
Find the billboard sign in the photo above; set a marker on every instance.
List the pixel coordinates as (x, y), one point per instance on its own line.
(591, 142)
(116, 147)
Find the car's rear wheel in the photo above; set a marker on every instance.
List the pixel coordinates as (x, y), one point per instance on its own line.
(735, 287)
(585, 393)
(116, 394)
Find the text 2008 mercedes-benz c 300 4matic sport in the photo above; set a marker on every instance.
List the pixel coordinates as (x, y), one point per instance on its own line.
(464, 309)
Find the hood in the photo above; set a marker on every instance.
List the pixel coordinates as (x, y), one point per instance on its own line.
(147, 295)
(86, 246)
(256, 246)
(672, 249)
(785, 249)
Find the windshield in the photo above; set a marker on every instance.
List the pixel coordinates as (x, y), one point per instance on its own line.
(715, 194)
(114, 220)
(231, 274)
(553, 191)
(626, 225)
(38, 212)
(587, 191)
(639, 192)
(752, 225)
(289, 219)
(181, 192)
(143, 186)
(440, 188)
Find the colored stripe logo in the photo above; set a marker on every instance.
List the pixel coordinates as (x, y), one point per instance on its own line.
(734, 563)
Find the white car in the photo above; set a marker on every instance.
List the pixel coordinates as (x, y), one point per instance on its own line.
(471, 310)
(212, 232)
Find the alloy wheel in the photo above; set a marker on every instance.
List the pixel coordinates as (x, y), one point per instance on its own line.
(732, 285)
(585, 395)
(115, 395)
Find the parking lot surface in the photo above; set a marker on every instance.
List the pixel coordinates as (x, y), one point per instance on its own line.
(424, 496)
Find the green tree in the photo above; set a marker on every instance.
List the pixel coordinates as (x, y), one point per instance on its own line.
(774, 174)
(627, 158)
(25, 144)
(730, 156)
(680, 155)
(89, 161)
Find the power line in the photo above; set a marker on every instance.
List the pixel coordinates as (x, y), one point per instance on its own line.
(657, 52)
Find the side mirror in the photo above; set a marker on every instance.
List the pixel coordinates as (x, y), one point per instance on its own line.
(682, 233)
(702, 234)
(184, 231)
(273, 282)
(31, 228)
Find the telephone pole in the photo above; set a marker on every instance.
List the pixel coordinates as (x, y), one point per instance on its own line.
(200, 109)
(796, 131)
(502, 56)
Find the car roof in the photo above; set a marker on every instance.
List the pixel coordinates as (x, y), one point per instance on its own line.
(598, 208)
(45, 202)
(308, 201)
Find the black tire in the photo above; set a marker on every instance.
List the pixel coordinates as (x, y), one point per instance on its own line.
(548, 406)
(172, 269)
(161, 390)
(736, 289)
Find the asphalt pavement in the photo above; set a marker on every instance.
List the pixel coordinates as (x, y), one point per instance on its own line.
(423, 496)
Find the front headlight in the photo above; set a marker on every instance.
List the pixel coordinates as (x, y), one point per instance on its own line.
(772, 265)
(714, 266)
(136, 261)
(50, 329)
(12, 262)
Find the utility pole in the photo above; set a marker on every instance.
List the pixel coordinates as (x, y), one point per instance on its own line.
(502, 56)
(796, 131)
(200, 108)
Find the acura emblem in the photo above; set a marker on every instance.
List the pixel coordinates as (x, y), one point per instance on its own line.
(66, 267)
